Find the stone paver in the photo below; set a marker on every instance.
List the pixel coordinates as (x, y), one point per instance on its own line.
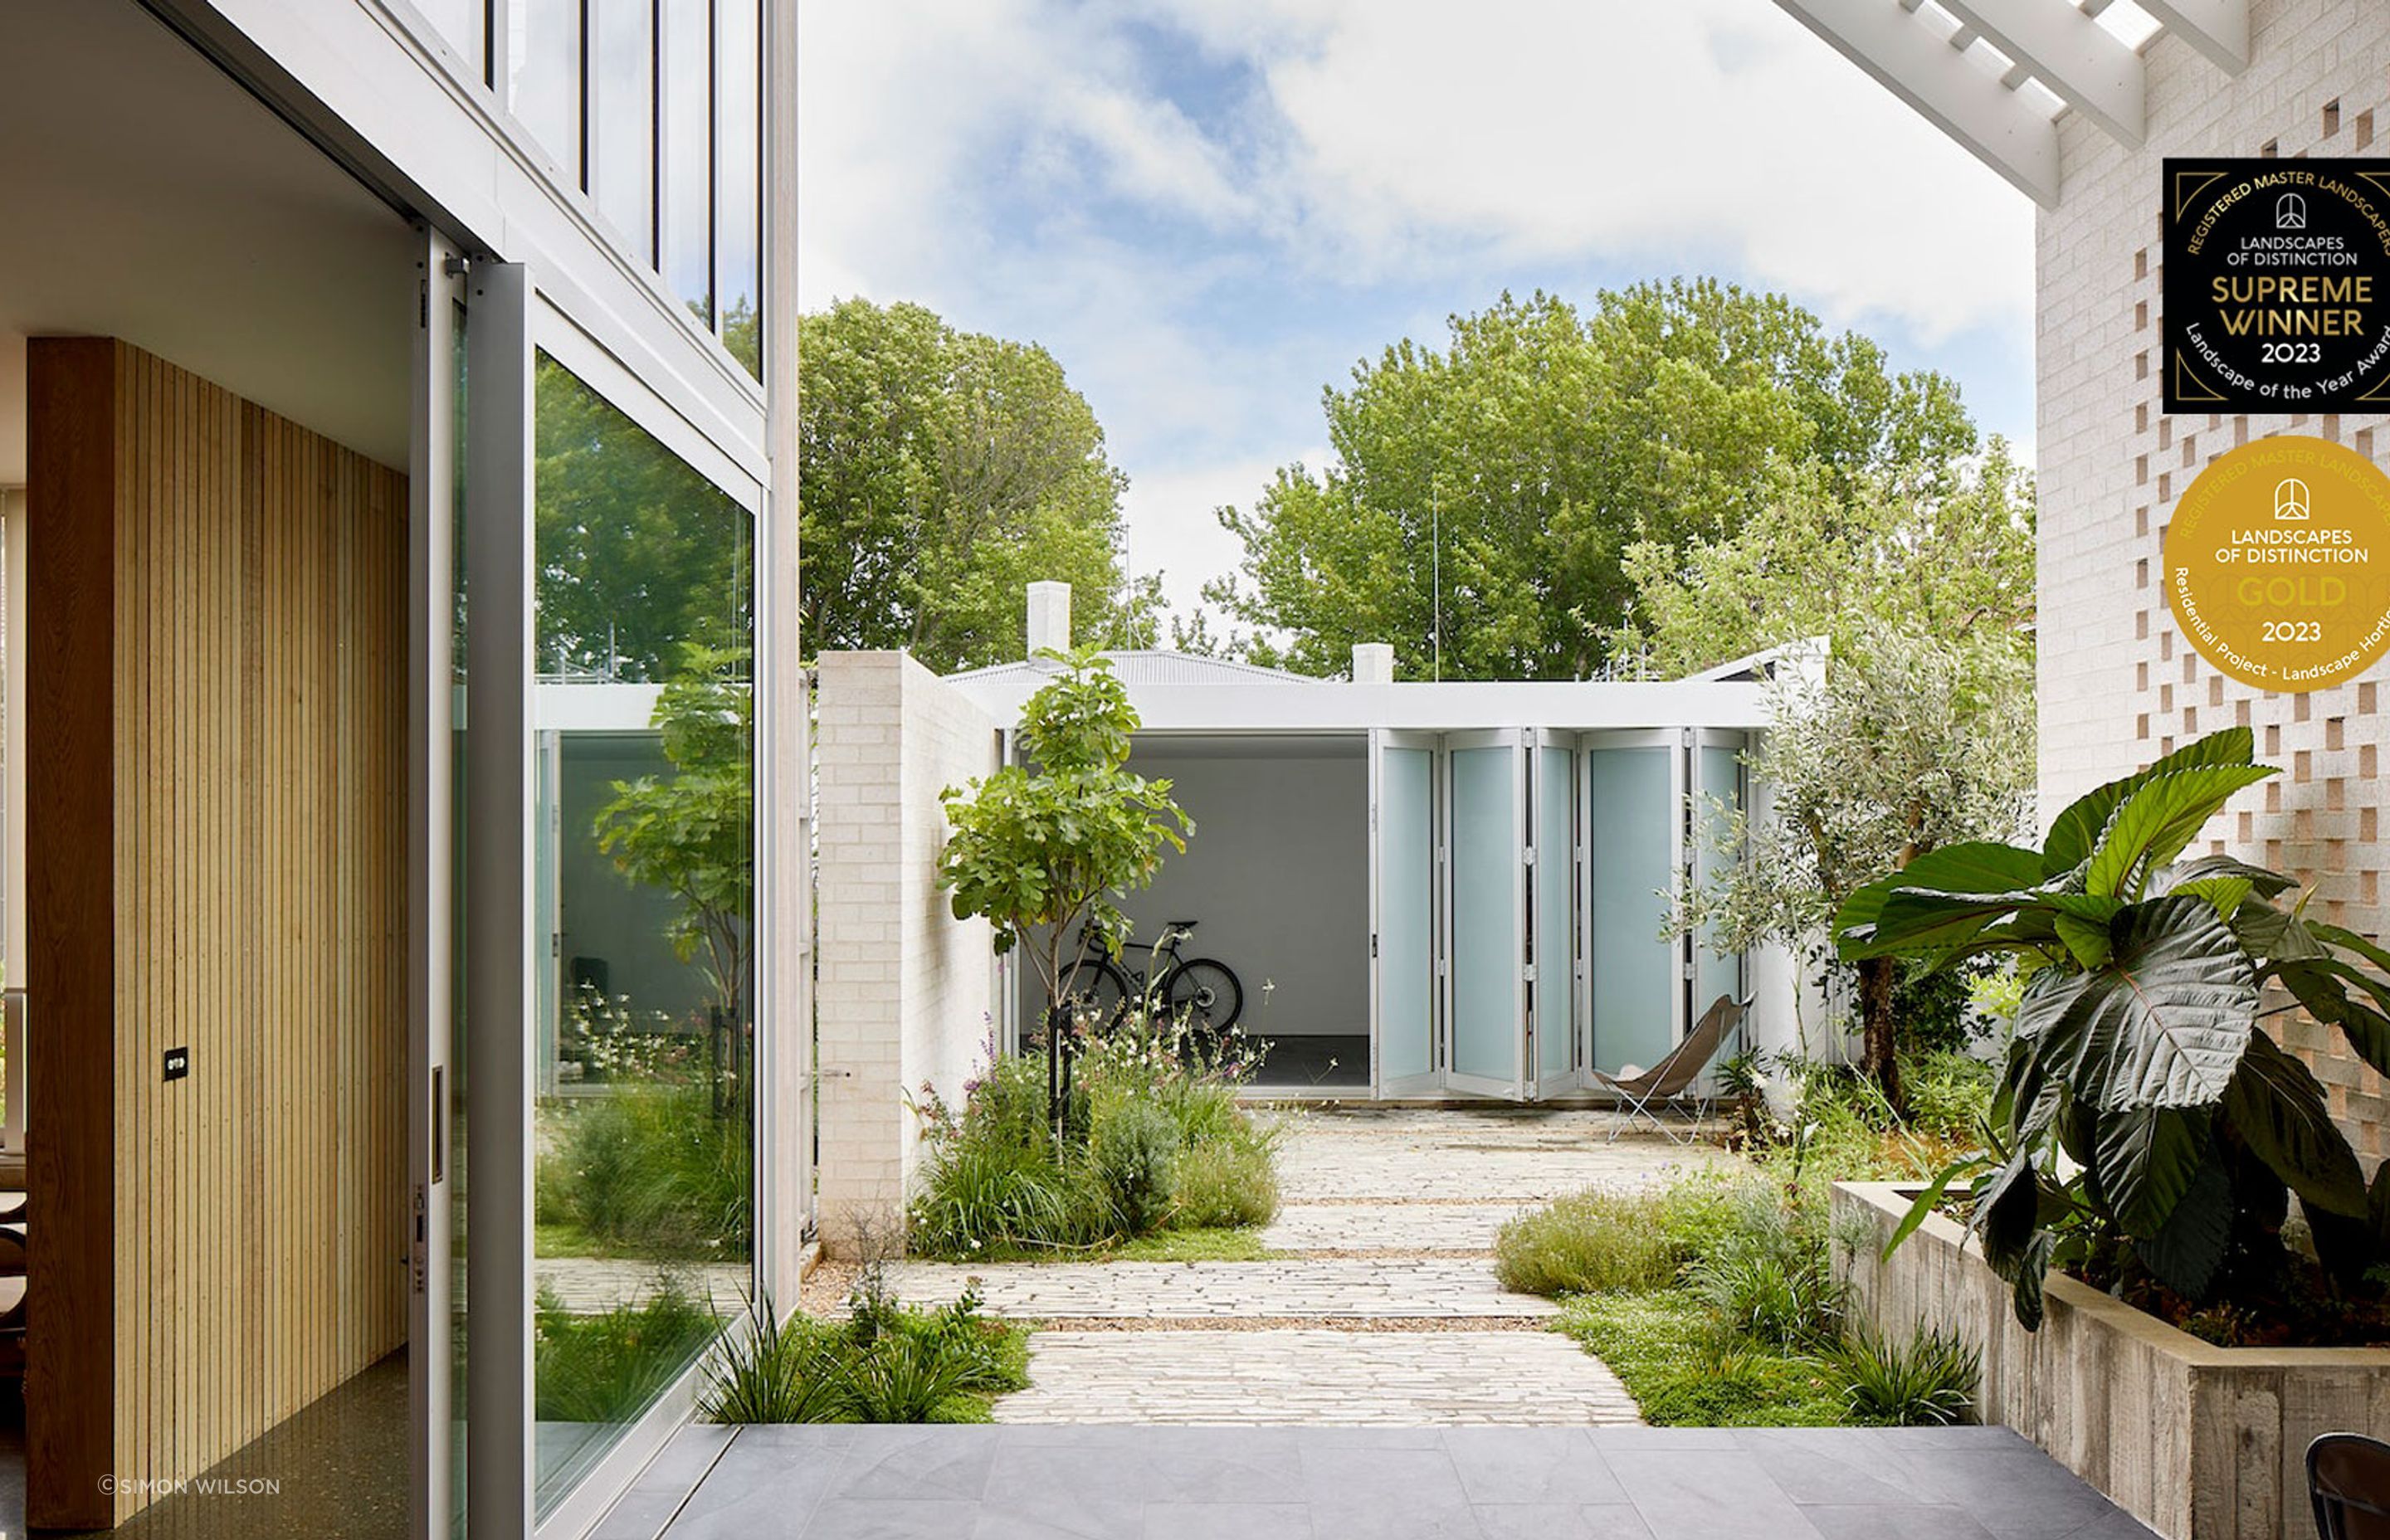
(1408, 1288)
(591, 1285)
(1314, 1376)
(1412, 1157)
(1388, 1227)
(1385, 1310)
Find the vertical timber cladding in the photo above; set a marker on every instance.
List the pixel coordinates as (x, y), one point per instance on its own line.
(218, 864)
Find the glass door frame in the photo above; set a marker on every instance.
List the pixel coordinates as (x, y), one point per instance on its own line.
(1431, 1081)
(1457, 1081)
(1696, 863)
(431, 514)
(1557, 981)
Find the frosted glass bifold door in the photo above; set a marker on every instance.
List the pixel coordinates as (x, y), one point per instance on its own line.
(1634, 814)
(1403, 941)
(1486, 931)
(1718, 794)
(1554, 1061)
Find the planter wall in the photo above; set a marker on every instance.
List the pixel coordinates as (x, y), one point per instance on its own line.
(2194, 1439)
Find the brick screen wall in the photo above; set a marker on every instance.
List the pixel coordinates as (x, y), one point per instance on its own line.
(2118, 685)
(905, 989)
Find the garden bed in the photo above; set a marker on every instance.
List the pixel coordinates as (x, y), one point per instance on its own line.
(2191, 1438)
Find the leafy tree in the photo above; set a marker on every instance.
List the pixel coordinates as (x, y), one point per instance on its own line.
(1512, 472)
(1903, 742)
(2149, 1130)
(1815, 559)
(941, 472)
(1043, 849)
(636, 551)
(692, 833)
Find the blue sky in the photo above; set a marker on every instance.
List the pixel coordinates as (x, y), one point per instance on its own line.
(1208, 210)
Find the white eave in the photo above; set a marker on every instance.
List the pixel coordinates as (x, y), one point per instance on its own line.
(1997, 74)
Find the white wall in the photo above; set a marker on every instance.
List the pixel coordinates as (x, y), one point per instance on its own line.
(905, 991)
(2118, 686)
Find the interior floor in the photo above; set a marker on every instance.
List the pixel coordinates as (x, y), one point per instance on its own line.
(338, 1466)
(1304, 1062)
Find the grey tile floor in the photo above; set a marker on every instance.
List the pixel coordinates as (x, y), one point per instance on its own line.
(1118, 1482)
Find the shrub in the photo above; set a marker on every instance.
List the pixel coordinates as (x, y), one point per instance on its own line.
(1135, 1155)
(607, 1367)
(1767, 1272)
(1601, 1240)
(1683, 1371)
(884, 1363)
(1929, 1379)
(652, 1171)
(1225, 1185)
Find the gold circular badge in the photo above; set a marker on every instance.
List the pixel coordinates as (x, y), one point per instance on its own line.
(2278, 563)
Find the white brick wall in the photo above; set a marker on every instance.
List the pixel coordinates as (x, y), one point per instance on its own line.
(892, 735)
(2118, 686)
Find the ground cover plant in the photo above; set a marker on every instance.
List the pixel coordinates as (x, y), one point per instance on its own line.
(1154, 1145)
(607, 1365)
(2149, 1132)
(1713, 1299)
(881, 1362)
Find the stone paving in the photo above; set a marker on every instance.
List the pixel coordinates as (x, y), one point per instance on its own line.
(1315, 1375)
(1383, 1308)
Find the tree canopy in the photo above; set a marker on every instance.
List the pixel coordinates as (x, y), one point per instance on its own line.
(1811, 560)
(941, 472)
(1513, 471)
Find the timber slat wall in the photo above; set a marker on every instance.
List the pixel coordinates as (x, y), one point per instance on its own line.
(217, 642)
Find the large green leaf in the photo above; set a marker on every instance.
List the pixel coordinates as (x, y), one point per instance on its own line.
(2278, 1106)
(2154, 823)
(1973, 866)
(1927, 920)
(2321, 986)
(2145, 1159)
(2268, 882)
(2164, 1024)
(2349, 941)
(2185, 1251)
(2077, 829)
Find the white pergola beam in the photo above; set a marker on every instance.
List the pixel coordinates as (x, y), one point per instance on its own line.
(1913, 62)
(2084, 64)
(2217, 28)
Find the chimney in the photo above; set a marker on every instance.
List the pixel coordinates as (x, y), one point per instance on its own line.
(1049, 617)
(1373, 662)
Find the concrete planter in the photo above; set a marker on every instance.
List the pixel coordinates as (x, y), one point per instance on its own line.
(2195, 1441)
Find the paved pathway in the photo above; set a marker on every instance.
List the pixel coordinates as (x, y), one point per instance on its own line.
(1383, 1308)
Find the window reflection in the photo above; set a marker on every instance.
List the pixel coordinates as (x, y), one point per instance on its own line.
(464, 26)
(644, 1143)
(742, 86)
(688, 154)
(544, 87)
(622, 121)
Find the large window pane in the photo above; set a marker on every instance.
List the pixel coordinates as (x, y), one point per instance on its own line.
(1487, 1027)
(644, 1137)
(543, 90)
(464, 26)
(622, 121)
(742, 182)
(688, 44)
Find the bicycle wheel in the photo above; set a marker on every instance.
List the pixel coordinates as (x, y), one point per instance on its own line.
(1204, 994)
(1100, 994)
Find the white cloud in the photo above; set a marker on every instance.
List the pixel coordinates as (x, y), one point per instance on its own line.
(1016, 165)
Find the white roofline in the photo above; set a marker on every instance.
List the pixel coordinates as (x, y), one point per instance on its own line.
(1338, 706)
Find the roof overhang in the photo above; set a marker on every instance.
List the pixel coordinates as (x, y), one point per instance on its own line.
(1996, 75)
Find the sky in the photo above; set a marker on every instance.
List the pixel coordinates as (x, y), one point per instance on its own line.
(1209, 209)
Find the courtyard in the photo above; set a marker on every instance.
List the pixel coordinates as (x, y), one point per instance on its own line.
(1369, 1376)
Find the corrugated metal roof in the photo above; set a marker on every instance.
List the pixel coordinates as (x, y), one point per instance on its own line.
(1146, 666)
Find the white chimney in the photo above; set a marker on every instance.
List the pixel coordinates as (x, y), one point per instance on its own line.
(1049, 617)
(1373, 662)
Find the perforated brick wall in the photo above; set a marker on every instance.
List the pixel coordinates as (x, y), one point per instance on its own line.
(2118, 685)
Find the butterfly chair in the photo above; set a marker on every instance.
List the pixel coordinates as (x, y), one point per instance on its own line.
(2348, 1479)
(1671, 1082)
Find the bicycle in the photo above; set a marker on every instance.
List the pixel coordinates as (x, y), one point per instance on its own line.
(1201, 992)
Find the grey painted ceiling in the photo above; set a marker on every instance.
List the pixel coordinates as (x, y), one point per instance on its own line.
(145, 195)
